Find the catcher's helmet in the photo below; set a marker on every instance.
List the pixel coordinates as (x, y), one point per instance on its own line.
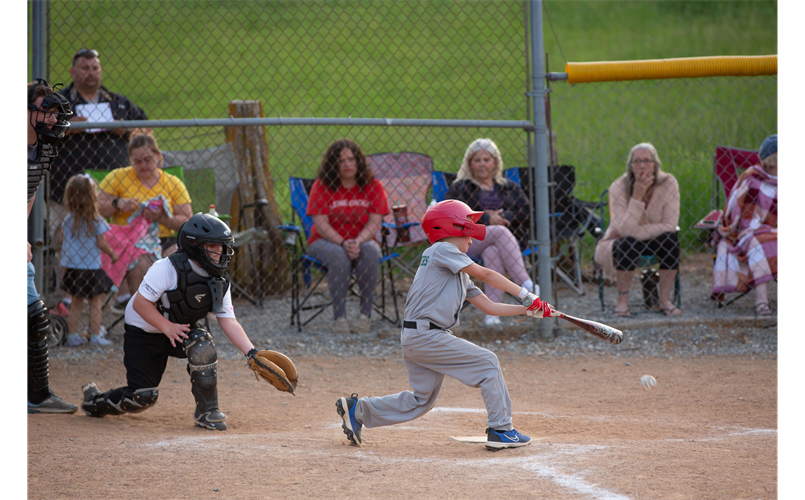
(452, 218)
(54, 103)
(204, 228)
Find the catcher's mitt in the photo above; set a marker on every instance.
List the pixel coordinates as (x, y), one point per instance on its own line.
(273, 367)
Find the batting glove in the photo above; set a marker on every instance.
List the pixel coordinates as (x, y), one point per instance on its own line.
(536, 307)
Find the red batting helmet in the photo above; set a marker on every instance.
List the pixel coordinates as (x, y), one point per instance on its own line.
(452, 218)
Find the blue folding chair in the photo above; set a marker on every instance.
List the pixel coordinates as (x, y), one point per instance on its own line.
(303, 264)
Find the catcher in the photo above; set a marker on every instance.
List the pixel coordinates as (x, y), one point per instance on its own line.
(162, 320)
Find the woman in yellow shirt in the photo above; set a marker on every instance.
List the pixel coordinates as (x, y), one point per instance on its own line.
(123, 190)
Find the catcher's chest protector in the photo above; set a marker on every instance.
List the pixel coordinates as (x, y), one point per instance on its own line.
(37, 168)
(191, 300)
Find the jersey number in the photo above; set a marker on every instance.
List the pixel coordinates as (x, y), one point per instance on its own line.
(424, 261)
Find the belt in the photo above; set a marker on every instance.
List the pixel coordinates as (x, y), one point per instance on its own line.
(412, 325)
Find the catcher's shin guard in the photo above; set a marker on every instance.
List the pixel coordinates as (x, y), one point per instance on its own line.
(117, 401)
(38, 328)
(202, 365)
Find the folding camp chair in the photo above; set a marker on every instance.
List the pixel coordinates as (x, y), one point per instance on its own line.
(406, 179)
(303, 264)
(644, 263)
(728, 164)
(570, 219)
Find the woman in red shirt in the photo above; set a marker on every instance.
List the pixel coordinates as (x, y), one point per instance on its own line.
(347, 205)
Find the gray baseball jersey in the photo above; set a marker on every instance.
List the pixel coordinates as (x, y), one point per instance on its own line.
(439, 286)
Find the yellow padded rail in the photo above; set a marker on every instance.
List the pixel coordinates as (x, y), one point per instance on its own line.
(660, 69)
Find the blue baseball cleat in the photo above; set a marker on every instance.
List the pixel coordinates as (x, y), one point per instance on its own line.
(497, 440)
(346, 409)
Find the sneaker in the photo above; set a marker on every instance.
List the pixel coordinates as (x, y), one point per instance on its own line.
(60, 310)
(99, 340)
(361, 324)
(74, 340)
(491, 320)
(497, 440)
(352, 428)
(213, 420)
(53, 404)
(90, 393)
(119, 306)
(341, 325)
(103, 331)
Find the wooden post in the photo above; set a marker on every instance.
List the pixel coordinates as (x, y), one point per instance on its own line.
(256, 189)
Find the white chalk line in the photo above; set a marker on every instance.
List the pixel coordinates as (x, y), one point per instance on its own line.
(535, 464)
(745, 432)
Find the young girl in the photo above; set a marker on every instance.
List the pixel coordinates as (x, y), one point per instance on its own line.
(83, 242)
(430, 350)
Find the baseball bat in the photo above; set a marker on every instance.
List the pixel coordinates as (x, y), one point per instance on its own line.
(600, 330)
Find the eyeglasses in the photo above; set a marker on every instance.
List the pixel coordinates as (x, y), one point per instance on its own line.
(642, 162)
(88, 53)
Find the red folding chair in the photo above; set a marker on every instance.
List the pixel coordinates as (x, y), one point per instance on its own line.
(406, 177)
(728, 165)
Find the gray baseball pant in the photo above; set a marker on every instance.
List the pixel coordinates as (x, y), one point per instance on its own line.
(339, 268)
(429, 356)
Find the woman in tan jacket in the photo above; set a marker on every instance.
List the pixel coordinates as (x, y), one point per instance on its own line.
(644, 213)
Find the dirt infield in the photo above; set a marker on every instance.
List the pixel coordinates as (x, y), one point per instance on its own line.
(707, 431)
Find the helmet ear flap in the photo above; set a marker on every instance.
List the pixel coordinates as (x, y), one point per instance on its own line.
(180, 235)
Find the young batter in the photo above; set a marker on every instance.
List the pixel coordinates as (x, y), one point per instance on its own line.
(430, 350)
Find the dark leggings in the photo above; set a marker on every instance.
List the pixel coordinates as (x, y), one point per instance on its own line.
(665, 247)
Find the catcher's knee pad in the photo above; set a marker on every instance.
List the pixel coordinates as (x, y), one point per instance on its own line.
(120, 401)
(201, 353)
(38, 328)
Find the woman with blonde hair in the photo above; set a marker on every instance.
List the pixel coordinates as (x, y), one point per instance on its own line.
(481, 185)
(644, 214)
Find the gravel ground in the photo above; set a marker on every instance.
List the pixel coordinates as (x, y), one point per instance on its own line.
(702, 329)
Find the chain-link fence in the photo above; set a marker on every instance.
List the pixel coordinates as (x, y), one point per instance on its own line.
(360, 59)
(437, 60)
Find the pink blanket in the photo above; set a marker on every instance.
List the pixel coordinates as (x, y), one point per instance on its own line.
(746, 240)
(122, 240)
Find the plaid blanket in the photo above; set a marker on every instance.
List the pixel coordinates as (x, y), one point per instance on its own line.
(746, 239)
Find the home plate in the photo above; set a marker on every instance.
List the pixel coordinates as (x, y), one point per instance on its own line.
(478, 439)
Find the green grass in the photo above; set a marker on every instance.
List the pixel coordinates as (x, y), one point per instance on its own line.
(462, 59)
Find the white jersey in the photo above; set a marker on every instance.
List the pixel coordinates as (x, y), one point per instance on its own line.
(160, 278)
(439, 286)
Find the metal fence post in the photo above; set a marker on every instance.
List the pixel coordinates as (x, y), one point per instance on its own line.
(36, 234)
(542, 194)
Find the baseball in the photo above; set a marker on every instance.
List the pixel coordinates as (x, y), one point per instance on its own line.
(648, 382)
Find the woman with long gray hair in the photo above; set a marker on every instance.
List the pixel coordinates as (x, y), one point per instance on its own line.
(481, 185)
(644, 214)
